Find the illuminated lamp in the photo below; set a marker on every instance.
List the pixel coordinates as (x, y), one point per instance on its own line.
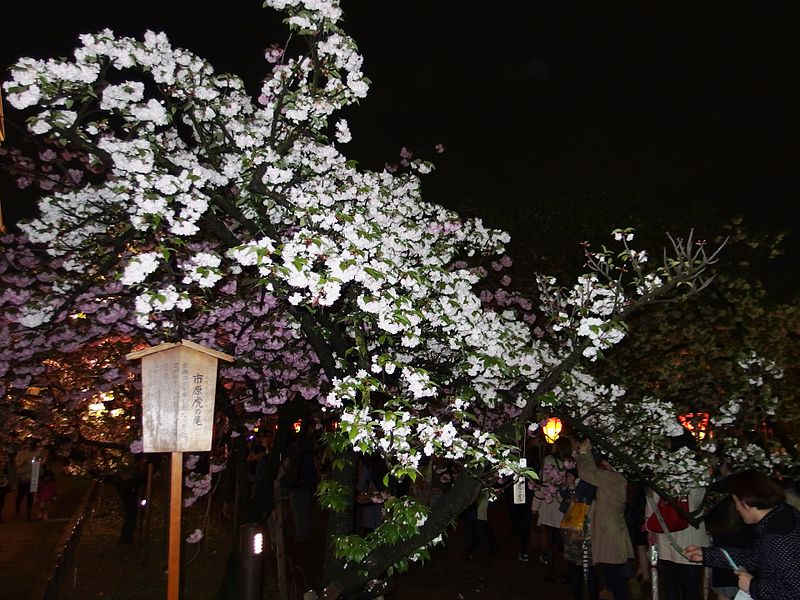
(696, 423)
(552, 429)
(297, 425)
(251, 562)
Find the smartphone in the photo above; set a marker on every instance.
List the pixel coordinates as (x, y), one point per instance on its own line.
(731, 562)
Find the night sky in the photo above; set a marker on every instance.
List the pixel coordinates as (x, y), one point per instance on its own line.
(562, 119)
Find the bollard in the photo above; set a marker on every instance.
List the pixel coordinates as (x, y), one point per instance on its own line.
(251, 560)
(653, 556)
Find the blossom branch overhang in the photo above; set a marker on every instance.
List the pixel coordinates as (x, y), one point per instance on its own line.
(553, 378)
(73, 138)
(630, 465)
(546, 385)
(232, 211)
(219, 228)
(791, 445)
(322, 348)
(279, 105)
(110, 258)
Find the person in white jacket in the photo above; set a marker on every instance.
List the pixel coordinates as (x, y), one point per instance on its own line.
(681, 577)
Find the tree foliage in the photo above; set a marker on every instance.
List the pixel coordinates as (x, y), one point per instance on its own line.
(240, 225)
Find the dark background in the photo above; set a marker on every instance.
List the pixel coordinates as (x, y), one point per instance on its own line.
(561, 119)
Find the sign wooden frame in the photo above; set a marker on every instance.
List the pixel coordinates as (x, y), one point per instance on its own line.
(179, 382)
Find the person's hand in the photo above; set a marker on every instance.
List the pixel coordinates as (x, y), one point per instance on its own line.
(744, 580)
(694, 553)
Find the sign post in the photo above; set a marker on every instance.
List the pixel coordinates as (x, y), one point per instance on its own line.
(179, 381)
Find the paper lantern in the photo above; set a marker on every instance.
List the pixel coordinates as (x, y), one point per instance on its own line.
(696, 423)
(552, 429)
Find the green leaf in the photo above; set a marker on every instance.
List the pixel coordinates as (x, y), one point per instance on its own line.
(375, 274)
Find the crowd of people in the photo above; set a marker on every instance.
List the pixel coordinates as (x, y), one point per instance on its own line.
(739, 538)
(27, 472)
(743, 531)
(620, 552)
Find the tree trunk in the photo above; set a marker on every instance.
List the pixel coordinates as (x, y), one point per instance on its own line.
(342, 523)
(339, 579)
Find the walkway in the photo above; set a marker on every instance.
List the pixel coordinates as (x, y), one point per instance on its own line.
(29, 549)
(108, 569)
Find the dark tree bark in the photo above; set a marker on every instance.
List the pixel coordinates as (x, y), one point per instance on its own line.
(339, 580)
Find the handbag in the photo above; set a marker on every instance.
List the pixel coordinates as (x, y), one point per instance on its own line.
(672, 519)
(576, 517)
(582, 491)
(574, 521)
(565, 494)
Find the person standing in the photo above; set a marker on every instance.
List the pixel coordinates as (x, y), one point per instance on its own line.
(5, 479)
(46, 493)
(611, 543)
(635, 509)
(127, 481)
(479, 539)
(520, 514)
(371, 492)
(301, 487)
(769, 569)
(556, 479)
(682, 578)
(726, 529)
(28, 462)
(258, 468)
(441, 479)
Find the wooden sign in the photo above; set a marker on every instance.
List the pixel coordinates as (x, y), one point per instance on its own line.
(179, 381)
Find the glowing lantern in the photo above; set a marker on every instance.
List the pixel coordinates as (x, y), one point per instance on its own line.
(696, 423)
(552, 429)
(297, 425)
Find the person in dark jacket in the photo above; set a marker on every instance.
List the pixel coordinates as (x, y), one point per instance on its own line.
(727, 530)
(769, 569)
(302, 483)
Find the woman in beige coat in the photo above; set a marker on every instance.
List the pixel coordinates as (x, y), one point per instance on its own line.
(611, 542)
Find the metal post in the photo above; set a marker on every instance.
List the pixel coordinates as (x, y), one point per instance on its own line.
(251, 561)
(654, 571)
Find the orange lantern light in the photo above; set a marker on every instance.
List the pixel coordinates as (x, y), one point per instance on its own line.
(552, 429)
(297, 425)
(696, 423)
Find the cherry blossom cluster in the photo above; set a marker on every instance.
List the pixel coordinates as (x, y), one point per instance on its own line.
(239, 224)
